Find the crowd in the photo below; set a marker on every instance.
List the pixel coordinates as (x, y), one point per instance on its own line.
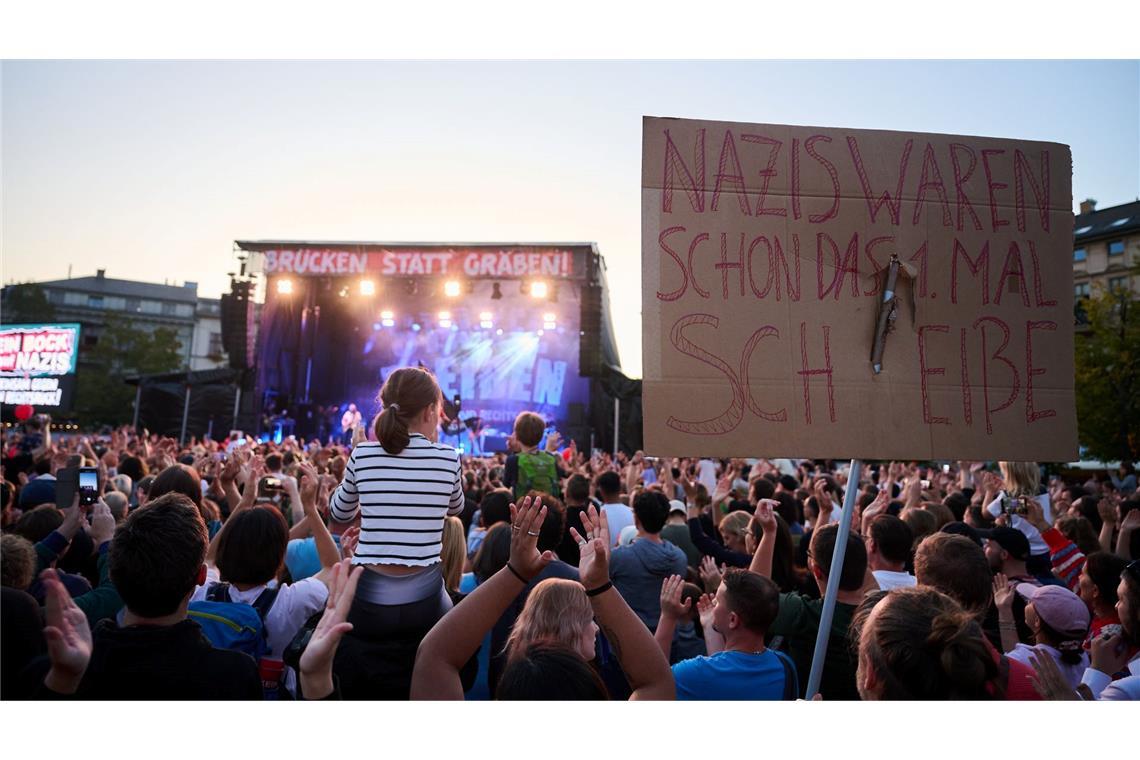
(394, 568)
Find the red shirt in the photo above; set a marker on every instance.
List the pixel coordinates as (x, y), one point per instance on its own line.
(1019, 686)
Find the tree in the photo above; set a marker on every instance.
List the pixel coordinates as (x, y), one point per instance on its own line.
(1108, 377)
(25, 302)
(102, 396)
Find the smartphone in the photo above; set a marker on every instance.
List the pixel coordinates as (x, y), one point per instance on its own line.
(88, 486)
(945, 469)
(66, 483)
(925, 483)
(271, 484)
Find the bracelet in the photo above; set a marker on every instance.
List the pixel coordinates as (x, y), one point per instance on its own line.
(600, 589)
(516, 574)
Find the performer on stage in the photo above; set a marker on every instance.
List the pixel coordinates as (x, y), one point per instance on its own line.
(348, 423)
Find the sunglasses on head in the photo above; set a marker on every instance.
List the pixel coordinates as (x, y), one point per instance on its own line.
(1132, 570)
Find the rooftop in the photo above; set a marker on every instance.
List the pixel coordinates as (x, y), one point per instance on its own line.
(1116, 221)
(103, 285)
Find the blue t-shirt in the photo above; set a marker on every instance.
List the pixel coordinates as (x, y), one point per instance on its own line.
(734, 675)
(301, 557)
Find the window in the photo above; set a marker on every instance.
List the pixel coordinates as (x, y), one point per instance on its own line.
(1080, 254)
(1121, 222)
(74, 299)
(184, 310)
(151, 307)
(95, 302)
(1082, 230)
(133, 305)
(1081, 290)
(216, 348)
(1117, 283)
(115, 303)
(1116, 248)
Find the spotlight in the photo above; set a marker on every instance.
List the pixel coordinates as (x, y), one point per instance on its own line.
(496, 292)
(367, 288)
(451, 288)
(284, 286)
(415, 326)
(538, 289)
(486, 320)
(549, 321)
(343, 292)
(387, 318)
(540, 333)
(499, 331)
(445, 319)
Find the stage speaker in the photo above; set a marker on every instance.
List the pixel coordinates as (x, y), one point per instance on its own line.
(237, 324)
(590, 335)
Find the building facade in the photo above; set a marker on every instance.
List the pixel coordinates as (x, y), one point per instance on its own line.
(93, 301)
(1106, 249)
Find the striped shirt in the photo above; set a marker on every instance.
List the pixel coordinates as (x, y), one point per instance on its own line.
(402, 499)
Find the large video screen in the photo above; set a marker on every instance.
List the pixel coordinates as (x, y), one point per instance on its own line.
(495, 346)
(37, 365)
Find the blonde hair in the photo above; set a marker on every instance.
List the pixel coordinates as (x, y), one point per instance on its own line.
(1021, 478)
(555, 615)
(453, 553)
(18, 561)
(736, 523)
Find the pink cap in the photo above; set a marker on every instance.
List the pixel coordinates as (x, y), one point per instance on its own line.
(1058, 608)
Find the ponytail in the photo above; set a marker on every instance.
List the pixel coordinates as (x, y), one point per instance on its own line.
(405, 395)
(966, 664)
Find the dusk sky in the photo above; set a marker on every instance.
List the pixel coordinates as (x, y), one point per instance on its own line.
(152, 170)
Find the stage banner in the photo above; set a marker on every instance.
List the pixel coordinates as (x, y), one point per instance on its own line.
(37, 365)
(411, 262)
(766, 253)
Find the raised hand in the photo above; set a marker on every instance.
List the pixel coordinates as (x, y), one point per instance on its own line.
(1003, 593)
(671, 605)
(706, 605)
(349, 540)
(1109, 653)
(316, 660)
(526, 523)
(711, 574)
(102, 524)
(1107, 511)
(594, 562)
(68, 636)
(1048, 681)
(765, 516)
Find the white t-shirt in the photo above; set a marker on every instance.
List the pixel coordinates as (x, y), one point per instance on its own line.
(294, 604)
(619, 517)
(706, 474)
(1072, 673)
(889, 579)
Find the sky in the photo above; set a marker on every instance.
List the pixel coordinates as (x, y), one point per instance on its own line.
(151, 170)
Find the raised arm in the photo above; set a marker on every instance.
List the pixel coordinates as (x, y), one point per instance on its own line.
(458, 634)
(345, 504)
(313, 490)
(672, 610)
(646, 669)
(764, 517)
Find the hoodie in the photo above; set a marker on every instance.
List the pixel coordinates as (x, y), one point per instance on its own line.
(637, 572)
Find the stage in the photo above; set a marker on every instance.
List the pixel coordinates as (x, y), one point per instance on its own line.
(504, 327)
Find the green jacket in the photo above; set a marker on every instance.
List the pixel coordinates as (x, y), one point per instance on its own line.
(99, 603)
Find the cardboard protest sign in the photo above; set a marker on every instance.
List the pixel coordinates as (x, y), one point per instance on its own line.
(764, 255)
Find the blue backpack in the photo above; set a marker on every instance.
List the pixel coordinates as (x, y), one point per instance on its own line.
(229, 625)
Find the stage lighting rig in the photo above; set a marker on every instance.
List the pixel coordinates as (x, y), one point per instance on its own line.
(549, 321)
(486, 320)
(445, 319)
(284, 286)
(452, 288)
(367, 288)
(387, 318)
(539, 289)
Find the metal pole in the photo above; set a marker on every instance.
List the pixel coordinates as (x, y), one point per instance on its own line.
(616, 405)
(833, 575)
(185, 415)
(237, 404)
(138, 401)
